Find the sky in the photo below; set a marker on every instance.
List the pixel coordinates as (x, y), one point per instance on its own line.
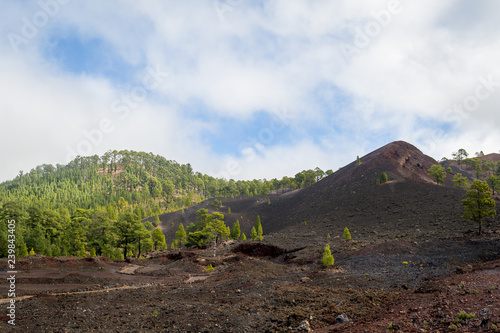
(246, 89)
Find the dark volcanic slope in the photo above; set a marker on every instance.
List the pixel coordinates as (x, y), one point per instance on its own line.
(350, 198)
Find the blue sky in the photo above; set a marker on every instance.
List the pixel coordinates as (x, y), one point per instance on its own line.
(272, 87)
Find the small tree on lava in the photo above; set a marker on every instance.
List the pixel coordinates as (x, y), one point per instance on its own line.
(347, 234)
(216, 229)
(437, 173)
(328, 259)
(383, 177)
(478, 203)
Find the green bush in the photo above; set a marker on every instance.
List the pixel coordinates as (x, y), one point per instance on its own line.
(328, 259)
(383, 177)
(347, 234)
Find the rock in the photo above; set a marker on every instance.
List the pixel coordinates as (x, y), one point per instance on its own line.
(340, 319)
(305, 279)
(304, 326)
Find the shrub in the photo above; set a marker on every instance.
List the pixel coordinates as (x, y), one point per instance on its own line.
(383, 177)
(347, 234)
(462, 315)
(328, 259)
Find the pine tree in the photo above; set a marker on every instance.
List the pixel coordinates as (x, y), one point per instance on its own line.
(216, 228)
(236, 231)
(253, 233)
(81, 252)
(243, 236)
(158, 239)
(328, 259)
(478, 203)
(460, 181)
(229, 210)
(347, 234)
(358, 160)
(328, 235)
(157, 221)
(32, 251)
(383, 177)
(258, 228)
(92, 252)
(181, 235)
(438, 173)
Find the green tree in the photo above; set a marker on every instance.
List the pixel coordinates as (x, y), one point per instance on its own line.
(181, 235)
(347, 234)
(156, 221)
(235, 230)
(147, 245)
(383, 177)
(328, 259)
(460, 181)
(478, 203)
(93, 253)
(253, 233)
(258, 229)
(197, 238)
(158, 239)
(243, 236)
(460, 155)
(126, 225)
(437, 173)
(358, 160)
(493, 183)
(82, 253)
(140, 235)
(216, 229)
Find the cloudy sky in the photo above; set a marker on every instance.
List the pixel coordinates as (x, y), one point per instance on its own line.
(246, 89)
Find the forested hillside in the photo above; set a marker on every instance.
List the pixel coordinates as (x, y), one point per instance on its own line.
(97, 203)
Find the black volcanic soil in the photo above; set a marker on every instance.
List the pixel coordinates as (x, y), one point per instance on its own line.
(412, 265)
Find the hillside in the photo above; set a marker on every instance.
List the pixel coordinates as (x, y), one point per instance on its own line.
(143, 179)
(97, 203)
(413, 264)
(350, 198)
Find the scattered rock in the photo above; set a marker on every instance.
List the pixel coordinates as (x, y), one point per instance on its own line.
(304, 326)
(340, 319)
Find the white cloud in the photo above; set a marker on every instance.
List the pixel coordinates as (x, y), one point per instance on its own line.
(236, 58)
